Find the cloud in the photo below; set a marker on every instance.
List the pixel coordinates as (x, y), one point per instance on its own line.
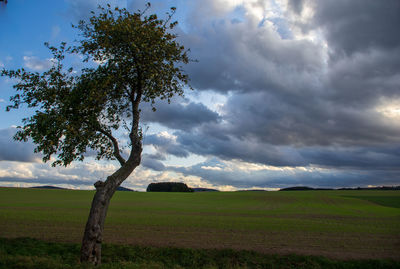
(11, 150)
(45, 181)
(251, 57)
(311, 86)
(149, 162)
(78, 173)
(180, 116)
(247, 175)
(379, 157)
(296, 5)
(361, 79)
(300, 99)
(37, 64)
(165, 143)
(358, 25)
(306, 121)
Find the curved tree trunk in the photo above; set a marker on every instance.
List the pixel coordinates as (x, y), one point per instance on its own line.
(93, 235)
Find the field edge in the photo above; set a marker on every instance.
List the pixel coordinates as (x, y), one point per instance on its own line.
(34, 253)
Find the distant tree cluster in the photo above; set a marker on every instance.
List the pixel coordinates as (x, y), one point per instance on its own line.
(169, 187)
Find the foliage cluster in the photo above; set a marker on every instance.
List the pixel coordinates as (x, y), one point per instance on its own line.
(136, 58)
(168, 187)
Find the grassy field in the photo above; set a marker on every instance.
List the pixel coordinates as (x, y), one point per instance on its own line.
(32, 253)
(334, 224)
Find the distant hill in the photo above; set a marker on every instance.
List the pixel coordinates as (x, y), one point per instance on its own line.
(253, 190)
(203, 189)
(303, 188)
(120, 188)
(382, 188)
(48, 187)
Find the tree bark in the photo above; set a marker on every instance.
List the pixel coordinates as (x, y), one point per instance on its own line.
(93, 235)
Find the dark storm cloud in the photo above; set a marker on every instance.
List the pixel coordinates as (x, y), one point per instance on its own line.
(366, 158)
(248, 150)
(386, 157)
(247, 57)
(358, 25)
(11, 150)
(284, 92)
(181, 116)
(305, 121)
(362, 79)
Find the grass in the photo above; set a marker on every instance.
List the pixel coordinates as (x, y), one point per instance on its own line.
(33, 253)
(335, 224)
(388, 201)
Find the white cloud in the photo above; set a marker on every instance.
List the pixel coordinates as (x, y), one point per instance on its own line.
(211, 168)
(37, 64)
(167, 136)
(223, 6)
(16, 170)
(83, 174)
(390, 110)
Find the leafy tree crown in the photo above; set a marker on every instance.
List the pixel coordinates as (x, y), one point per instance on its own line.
(138, 60)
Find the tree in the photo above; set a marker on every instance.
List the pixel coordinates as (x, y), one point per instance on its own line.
(168, 187)
(139, 61)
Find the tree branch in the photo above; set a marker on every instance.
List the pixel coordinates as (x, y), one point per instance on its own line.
(115, 144)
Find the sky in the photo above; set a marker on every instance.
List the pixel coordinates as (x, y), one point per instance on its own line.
(286, 93)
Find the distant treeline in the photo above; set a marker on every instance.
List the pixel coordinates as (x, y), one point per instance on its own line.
(305, 188)
(383, 188)
(169, 187)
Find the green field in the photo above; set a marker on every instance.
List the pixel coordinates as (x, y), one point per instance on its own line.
(336, 224)
(30, 253)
